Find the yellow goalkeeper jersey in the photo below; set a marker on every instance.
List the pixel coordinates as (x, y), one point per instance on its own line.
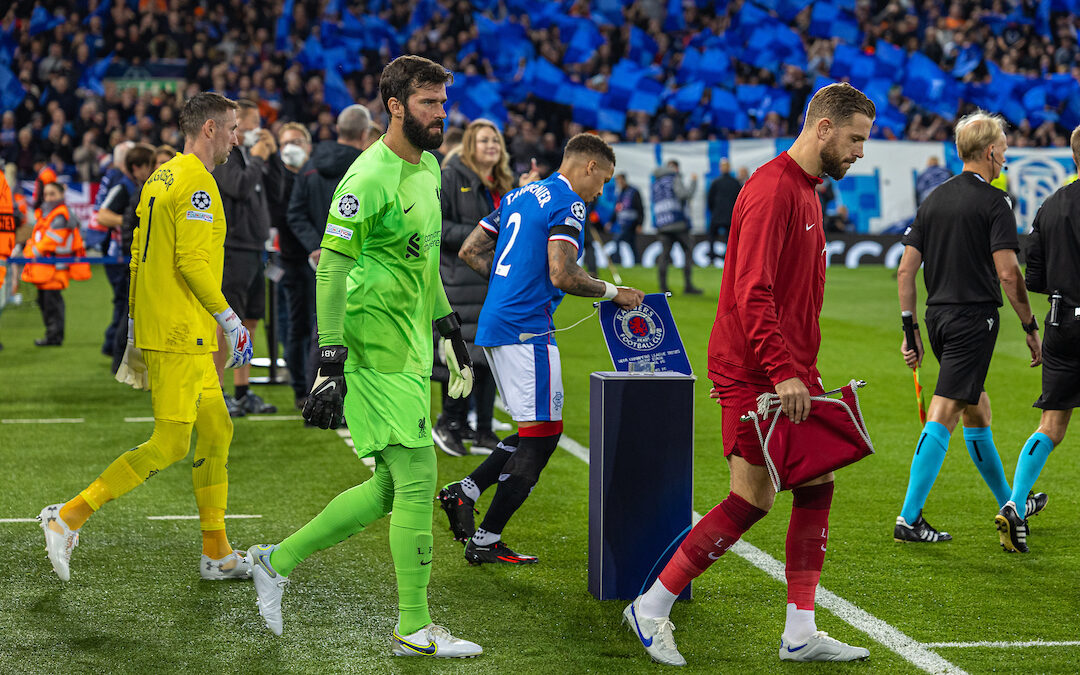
(176, 259)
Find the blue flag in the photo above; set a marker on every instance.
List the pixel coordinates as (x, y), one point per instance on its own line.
(929, 86)
(583, 43)
(12, 92)
(647, 97)
(687, 98)
(335, 92)
(93, 77)
(642, 47)
(284, 26)
(41, 21)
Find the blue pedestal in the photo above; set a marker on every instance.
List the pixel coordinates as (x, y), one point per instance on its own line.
(641, 459)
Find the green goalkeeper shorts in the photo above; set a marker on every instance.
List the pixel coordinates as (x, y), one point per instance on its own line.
(384, 409)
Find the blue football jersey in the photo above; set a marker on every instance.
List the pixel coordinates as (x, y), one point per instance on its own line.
(520, 296)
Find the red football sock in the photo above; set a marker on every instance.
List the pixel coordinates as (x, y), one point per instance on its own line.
(710, 539)
(808, 531)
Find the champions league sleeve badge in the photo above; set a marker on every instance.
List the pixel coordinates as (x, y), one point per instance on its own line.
(644, 335)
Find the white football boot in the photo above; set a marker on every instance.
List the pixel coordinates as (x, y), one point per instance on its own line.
(232, 566)
(821, 647)
(654, 634)
(434, 641)
(60, 540)
(269, 585)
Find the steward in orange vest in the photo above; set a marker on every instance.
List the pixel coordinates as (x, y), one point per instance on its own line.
(9, 221)
(56, 235)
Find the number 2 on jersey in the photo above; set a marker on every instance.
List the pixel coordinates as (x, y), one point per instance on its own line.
(514, 221)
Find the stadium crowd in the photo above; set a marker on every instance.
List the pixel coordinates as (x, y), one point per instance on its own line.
(305, 60)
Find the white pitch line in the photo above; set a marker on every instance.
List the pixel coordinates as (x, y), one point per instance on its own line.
(911, 650)
(273, 418)
(1006, 645)
(51, 420)
(19, 520)
(343, 433)
(228, 515)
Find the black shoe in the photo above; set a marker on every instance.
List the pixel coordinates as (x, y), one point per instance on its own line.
(252, 404)
(1012, 531)
(46, 342)
(498, 553)
(448, 438)
(468, 434)
(919, 531)
(459, 511)
(693, 290)
(1036, 502)
(486, 440)
(233, 406)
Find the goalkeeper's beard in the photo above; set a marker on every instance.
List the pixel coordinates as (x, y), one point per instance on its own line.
(425, 138)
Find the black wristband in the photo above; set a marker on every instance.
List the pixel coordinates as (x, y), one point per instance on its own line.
(914, 326)
(448, 325)
(332, 360)
(1030, 328)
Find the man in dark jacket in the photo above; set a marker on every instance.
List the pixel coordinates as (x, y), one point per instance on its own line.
(297, 284)
(721, 200)
(243, 196)
(302, 235)
(628, 217)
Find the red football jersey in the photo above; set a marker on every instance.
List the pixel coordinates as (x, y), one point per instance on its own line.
(766, 327)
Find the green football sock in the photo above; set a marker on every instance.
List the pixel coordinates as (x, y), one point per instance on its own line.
(415, 473)
(345, 515)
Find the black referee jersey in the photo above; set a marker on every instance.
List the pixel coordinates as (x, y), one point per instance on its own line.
(957, 229)
(1053, 249)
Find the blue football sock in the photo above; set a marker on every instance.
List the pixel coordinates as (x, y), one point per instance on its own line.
(925, 465)
(1028, 467)
(980, 445)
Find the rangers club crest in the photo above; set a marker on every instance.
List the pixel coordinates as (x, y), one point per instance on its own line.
(201, 200)
(348, 205)
(640, 329)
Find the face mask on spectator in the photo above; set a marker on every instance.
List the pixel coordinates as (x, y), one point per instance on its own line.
(293, 155)
(251, 137)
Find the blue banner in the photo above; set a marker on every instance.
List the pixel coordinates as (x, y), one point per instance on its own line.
(644, 335)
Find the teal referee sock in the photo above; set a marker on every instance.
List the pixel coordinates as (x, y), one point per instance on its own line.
(980, 445)
(925, 465)
(1028, 467)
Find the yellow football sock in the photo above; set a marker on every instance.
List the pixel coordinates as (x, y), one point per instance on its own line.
(209, 473)
(215, 544)
(77, 511)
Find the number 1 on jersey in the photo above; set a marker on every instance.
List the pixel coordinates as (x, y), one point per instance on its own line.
(514, 221)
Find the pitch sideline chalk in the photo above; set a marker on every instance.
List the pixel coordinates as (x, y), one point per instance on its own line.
(911, 650)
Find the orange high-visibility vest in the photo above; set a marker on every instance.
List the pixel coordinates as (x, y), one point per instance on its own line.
(47, 241)
(7, 226)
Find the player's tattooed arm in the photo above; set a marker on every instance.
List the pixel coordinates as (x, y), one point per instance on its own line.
(567, 275)
(478, 251)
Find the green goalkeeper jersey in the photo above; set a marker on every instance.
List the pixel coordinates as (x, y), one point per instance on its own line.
(386, 215)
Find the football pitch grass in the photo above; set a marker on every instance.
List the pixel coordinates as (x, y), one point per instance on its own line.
(135, 602)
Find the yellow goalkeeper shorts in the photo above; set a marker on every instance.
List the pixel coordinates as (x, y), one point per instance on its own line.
(178, 382)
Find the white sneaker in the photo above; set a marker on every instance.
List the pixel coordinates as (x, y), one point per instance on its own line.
(60, 540)
(654, 634)
(821, 647)
(232, 566)
(269, 585)
(435, 641)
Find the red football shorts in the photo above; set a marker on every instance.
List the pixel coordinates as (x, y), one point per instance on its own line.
(737, 399)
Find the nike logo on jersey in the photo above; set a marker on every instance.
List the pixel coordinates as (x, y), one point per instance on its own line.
(410, 207)
(809, 226)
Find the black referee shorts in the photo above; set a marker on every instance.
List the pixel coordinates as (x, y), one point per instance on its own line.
(243, 283)
(962, 338)
(1061, 366)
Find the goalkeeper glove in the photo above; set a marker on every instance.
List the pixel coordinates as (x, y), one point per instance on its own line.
(327, 398)
(458, 361)
(133, 368)
(238, 336)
